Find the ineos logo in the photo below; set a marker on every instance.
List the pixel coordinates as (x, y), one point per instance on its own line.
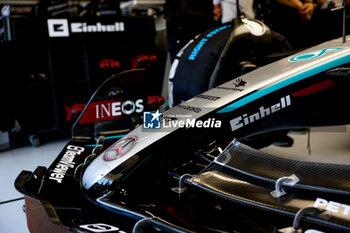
(100, 227)
(58, 27)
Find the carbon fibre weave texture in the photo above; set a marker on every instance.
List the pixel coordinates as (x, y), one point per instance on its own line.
(269, 168)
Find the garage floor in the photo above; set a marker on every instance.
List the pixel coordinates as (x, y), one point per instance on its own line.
(12, 162)
(326, 145)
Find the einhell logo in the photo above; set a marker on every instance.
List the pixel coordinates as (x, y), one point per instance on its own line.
(58, 27)
(110, 110)
(61, 27)
(263, 112)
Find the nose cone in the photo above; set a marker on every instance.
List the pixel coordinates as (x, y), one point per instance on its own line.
(94, 173)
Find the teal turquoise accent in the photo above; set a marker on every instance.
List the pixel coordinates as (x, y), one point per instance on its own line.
(115, 136)
(92, 145)
(345, 58)
(313, 55)
(106, 138)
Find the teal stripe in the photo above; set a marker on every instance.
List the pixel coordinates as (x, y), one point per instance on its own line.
(293, 79)
(91, 145)
(115, 136)
(106, 138)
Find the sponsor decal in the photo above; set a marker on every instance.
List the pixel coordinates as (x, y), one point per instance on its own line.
(109, 64)
(62, 28)
(143, 60)
(73, 112)
(230, 88)
(151, 120)
(332, 206)
(100, 227)
(189, 108)
(110, 110)
(98, 27)
(263, 112)
(203, 41)
(120, 148)
(208, 97)
(239, 82)
(65, 163)
(313, 55)
(58, 27)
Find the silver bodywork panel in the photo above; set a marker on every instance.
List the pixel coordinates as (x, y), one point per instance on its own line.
(260, 82)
